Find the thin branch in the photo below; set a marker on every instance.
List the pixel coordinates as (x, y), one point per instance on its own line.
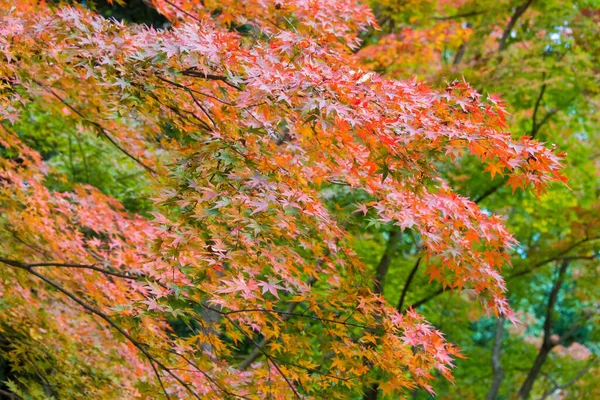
(511, 24)
(194, 17)
(534, 126)
(565, 385)
(9, 395)
(211, 77)
(193, 90)
(546, 118)
(427, 298)
(67, 265)
(100, 128)
(407, 284)
(491, 190)
(106, 318)
(386, 259)
(207, 376)
(258, 350)
(179, 112)
(203, 109)
(517, 274)
(267, 355)
(552, 301)
(549, 260)
(547, 343)
(159, 380)
(459, 15)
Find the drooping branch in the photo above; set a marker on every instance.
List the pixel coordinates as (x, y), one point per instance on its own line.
(92, 310)
(68, 265)
(102, 130)
(175, 6)
(206, 375)
(211, 77)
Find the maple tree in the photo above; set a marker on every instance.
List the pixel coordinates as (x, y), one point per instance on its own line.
(541, 56)
(244, 117)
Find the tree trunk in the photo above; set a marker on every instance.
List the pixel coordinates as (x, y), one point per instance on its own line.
(386, 260)
(371, 393)
(496, 365)
(535, 370)
(380, 274)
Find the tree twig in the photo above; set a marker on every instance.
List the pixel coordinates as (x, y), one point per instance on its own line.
(572, 381)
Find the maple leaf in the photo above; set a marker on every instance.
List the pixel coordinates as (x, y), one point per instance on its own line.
(271, 286)
(495, 168)
(239, 284)
(227, 125)
(362, 208)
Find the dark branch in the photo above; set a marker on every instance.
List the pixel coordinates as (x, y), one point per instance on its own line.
(547, 343)
(102, 130)
(565, 385)
(194, 17)
(386, 260)
(9, 395)
(140, 346)
(491, 190)
(258, 349)
(511, 24)
(211, 77)
(407, 284)
(552, 302)
(534, 125)
(66, 265)
(496, 365)
(459, 15)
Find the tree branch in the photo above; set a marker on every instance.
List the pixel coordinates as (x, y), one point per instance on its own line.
(9, 395)
(552, 301)
(534, 126)
(99, 127)
(459, 15)
(211, 77)
(511, 24)
(547, 343)
(579, 375)
(407, 283)
(67, 265)
(258, 349)
(386, 260)
(106, 318)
